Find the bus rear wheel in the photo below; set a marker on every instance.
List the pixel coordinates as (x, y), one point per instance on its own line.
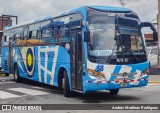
(66, 89)
(114, 91)
(16, 74)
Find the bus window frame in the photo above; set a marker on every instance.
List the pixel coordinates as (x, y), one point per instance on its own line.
(17, 38)
(6, 34)
(26, 29)
(6, 40)
(33, 34)
(37, 27)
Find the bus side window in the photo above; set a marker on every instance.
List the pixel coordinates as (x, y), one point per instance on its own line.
(6, 40)
(67, 32)
(22, 38)
(43, 33)
(49, 32)
(35, 34)
(59, 31)
(39, 34)
(30, 35)
(25, 34)
(59, 34)
(17, 36)
(55, 32)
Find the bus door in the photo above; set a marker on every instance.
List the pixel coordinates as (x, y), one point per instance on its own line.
(5, 53)
(10, 54)
(76, 59)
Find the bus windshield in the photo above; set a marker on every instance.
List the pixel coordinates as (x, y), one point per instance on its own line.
(102, 30)
(129, 34)
(114, 37)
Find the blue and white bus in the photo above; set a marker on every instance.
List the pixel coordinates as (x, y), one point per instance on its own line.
(85, 49)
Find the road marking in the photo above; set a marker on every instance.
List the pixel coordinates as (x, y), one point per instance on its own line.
(38, 87)
(28, 91)
(7, 82)
(2, 78)
(5, 95)
(154, 82)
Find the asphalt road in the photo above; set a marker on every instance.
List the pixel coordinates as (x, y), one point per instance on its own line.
(29, 92)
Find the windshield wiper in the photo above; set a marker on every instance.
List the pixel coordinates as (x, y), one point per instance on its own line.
(120, 38)
(110, 57)
(118, 42)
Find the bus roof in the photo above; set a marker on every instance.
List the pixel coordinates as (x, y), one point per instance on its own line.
(110, 9)
(80, 9)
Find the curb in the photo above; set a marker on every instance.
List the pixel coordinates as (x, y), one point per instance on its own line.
(2, 75)
(154, 82)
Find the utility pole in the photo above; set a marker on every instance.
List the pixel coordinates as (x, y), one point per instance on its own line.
(158, 18)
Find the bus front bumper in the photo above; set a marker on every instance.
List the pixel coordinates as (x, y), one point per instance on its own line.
(107, 85)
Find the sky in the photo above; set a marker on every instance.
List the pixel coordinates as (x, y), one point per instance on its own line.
(28, 10)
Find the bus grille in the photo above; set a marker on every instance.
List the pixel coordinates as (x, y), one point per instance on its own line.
(5, 65)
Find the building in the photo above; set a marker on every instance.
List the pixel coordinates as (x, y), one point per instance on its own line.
(6, 22)
(148, 36)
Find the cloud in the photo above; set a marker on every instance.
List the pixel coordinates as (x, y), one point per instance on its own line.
(146, 9)
(28, 10)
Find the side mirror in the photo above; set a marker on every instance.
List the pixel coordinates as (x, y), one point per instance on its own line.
(152, 27)
(155, 36)
(87, 36)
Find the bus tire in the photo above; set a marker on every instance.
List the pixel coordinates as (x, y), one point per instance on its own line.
(61, 80)
(6, 74)
(114, 91)
(16, 74)
(66, 89)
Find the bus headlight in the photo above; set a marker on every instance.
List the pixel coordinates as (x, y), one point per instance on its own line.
(95, 74)
(145, 72)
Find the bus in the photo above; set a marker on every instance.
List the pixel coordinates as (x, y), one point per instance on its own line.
(89, 48)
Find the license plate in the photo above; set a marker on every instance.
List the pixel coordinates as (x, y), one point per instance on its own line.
(122, 84)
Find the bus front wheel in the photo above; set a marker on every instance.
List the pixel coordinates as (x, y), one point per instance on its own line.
(16, 74)
(114, 91)
(66, 89)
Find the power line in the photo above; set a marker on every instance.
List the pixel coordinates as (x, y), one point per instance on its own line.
(123, 4)
(153, 20)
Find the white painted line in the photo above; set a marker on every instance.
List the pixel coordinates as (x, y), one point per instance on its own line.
(5, 95)
(28, 91)
(7, 82)
(38, 87)
(2, 78)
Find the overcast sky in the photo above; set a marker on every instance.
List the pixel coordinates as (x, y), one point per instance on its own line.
(28, 10)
